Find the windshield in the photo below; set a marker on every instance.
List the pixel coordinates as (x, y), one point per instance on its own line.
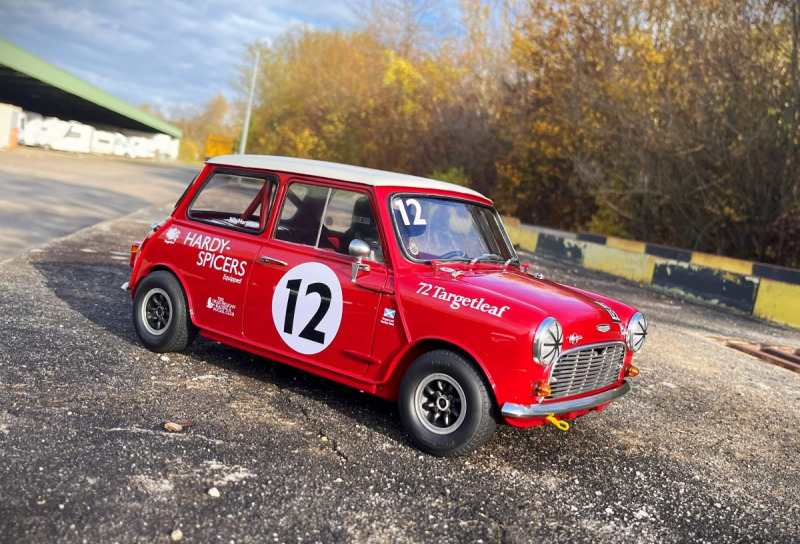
(431, 228)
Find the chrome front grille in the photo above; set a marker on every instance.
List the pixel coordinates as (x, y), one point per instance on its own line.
(586, 369)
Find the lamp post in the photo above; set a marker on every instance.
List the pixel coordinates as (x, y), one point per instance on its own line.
(243, 142)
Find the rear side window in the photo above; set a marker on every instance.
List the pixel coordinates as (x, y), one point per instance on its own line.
(234, 201)
(328, 219)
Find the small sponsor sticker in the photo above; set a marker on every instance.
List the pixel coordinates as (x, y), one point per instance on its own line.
(574, 338)
(388, 316)
(172, 235)
(219, 305)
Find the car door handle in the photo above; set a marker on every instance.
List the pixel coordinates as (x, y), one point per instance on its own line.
(270, 260)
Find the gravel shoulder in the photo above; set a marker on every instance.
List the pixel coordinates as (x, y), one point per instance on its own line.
(704, 448)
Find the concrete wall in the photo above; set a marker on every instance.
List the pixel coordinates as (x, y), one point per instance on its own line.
(766, 291)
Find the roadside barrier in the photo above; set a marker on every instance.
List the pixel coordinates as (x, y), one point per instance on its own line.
(765, 291)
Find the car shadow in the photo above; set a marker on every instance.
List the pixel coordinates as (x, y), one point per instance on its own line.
(91, 286)
(365, 409)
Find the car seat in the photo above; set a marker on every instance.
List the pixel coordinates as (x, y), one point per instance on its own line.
(363, 227)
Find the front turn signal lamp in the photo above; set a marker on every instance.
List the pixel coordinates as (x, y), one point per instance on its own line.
(541, 389)
(632, 371)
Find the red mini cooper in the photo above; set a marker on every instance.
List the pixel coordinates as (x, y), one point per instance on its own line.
(404, 287)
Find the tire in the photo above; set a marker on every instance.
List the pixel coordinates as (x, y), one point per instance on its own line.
(161, 313)
(445, 404)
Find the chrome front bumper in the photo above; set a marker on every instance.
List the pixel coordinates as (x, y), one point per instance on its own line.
(565, 406)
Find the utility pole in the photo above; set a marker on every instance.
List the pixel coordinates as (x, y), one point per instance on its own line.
(243, 142)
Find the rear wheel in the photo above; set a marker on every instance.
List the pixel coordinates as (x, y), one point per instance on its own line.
(161, 314)
(445, 404)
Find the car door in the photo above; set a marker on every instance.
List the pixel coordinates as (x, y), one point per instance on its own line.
(216, 243)
(308, 298)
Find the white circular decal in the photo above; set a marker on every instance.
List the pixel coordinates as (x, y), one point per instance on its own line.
(307, 307)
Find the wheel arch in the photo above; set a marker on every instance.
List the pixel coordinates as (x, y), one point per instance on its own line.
(391, 385)
(178, 276)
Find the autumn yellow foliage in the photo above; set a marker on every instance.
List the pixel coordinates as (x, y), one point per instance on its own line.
(661, 120)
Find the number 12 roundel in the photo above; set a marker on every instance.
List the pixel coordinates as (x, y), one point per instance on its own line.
(307, 307)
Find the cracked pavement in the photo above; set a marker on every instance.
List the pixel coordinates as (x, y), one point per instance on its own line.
(704, 449)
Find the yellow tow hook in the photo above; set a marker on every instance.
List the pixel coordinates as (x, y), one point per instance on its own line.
(560, 423)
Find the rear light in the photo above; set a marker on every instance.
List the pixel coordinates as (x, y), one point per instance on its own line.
(134, 252)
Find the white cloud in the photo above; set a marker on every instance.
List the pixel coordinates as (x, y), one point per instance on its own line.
(173, 52)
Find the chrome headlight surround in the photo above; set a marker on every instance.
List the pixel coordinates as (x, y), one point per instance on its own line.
(547, 342)
(637, 332)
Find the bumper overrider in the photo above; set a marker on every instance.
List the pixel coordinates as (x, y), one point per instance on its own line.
(524, 411)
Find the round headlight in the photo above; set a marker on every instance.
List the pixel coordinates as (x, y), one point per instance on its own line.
(547, 342)
(637, 332)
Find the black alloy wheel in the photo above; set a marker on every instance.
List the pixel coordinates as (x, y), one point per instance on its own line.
(445, 404)
(161, 313)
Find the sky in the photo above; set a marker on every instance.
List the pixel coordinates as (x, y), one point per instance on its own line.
(169, 53)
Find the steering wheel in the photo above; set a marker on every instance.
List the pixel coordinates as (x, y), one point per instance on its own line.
(287, 233)
(454, 253)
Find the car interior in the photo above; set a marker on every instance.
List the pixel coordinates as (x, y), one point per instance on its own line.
(347, 216)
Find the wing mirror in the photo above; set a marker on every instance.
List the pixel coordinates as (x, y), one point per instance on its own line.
(358, 249)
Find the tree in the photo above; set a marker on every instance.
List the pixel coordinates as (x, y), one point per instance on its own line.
(197, 123)
(669, 121)
(678, 120)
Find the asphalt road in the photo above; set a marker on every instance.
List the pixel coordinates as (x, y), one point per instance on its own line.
(45, 195)
(704, 449)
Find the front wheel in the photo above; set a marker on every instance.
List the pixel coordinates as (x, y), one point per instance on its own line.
(161, 314)
(445, 404)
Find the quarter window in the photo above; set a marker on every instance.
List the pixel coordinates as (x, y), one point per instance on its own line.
(233, 201)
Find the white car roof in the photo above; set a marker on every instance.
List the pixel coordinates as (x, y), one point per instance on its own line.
(343, 172)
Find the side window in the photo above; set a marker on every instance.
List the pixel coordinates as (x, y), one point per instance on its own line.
(301, 216)
(349, 217)
(328, 219)
(233, 201)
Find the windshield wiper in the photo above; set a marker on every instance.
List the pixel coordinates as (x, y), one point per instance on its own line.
(514, 259)
(484, 256)
(453, 256)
